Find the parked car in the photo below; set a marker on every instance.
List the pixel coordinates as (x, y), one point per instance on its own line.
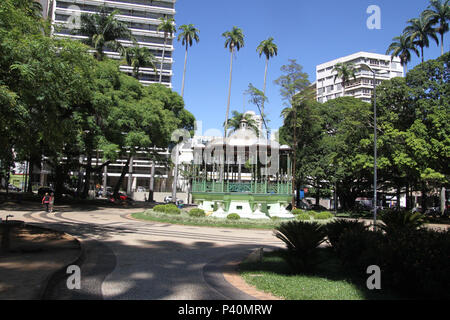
(141, 189)
(303, 205)
(122, 197)
(168, 199)
(43, 190)
(12, 187)
(102, 193)
(317, 207)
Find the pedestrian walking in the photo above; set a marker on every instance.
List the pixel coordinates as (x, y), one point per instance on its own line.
(46, 201)
(52, 201)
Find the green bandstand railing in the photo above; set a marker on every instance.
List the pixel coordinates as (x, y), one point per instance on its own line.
(242, 187)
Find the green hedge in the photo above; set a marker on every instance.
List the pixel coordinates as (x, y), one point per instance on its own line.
(233, 216)
(303, 216)
(197, 213)
(325, 215)
(167, 208)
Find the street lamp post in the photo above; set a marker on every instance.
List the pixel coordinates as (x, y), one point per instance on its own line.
(374, 143)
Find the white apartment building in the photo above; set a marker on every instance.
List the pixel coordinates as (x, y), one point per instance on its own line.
(362, 86)
(141, 16)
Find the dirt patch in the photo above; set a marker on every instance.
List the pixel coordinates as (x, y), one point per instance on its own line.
(34, 255)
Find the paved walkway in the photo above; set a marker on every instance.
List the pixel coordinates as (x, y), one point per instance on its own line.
(129, 259)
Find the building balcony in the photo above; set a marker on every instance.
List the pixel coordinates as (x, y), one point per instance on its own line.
(123, 5)
(242, 187)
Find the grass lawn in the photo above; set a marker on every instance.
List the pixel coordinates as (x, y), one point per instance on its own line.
(185, 219)
(330, 282)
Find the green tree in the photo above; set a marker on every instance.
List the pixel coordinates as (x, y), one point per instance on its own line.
(439, 13)
(188, 35)
(167, 26)
(269, 49)
(292, 83)
(345, 72)
(402, 47)
(420, 30)
(234, 122)
(138, 57)
(234, 40)
(103, 30)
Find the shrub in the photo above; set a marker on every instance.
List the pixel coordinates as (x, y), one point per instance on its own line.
(417, 263)
(159, 208)
(358, 248)
(398, 221)
(303, 216)
(325, 215)
(336, 228)
(233, 216)
(197, 213)
(297, 211)
(312, 214)
(302, 240)
(167, 208)
(172, 209)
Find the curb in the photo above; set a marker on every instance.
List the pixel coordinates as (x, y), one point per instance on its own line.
(232, 276)
(52, 277)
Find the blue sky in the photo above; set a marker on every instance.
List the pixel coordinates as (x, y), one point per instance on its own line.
(312, 32)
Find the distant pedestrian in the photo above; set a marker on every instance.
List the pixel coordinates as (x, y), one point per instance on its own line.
(46, 201)
(52, 201)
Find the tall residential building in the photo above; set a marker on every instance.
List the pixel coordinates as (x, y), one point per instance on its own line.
(141, 16)
(362, 86)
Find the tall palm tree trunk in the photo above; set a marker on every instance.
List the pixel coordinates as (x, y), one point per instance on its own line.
(264, 88)
(229, 93)
(162, 61)
(442, 43)
(421, 48)
(184, 71)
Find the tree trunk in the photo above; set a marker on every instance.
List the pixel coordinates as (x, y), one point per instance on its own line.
(87, 179)
(30, 177)
(442, 44)
(184, 71)
(424, 198)
(162, 61)
(294, 157)
(264, 88)
(122, 176)
(421, 48)
(229, 93)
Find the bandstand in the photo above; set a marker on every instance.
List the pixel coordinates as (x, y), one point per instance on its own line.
(243, 174)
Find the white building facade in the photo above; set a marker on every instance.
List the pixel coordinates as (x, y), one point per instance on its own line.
(141, 17)
(362, 87)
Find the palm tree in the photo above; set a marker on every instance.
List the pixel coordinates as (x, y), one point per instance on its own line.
(138, 57)
(344, 71)
(188, 34)
(167, 25)
(235, 122)
(234, 39)
(402, 47)
(419, 30)
(439, 12)
(269, 49)
(103, 30)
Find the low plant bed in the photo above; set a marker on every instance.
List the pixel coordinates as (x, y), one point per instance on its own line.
(185, 219)
(329, 282)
